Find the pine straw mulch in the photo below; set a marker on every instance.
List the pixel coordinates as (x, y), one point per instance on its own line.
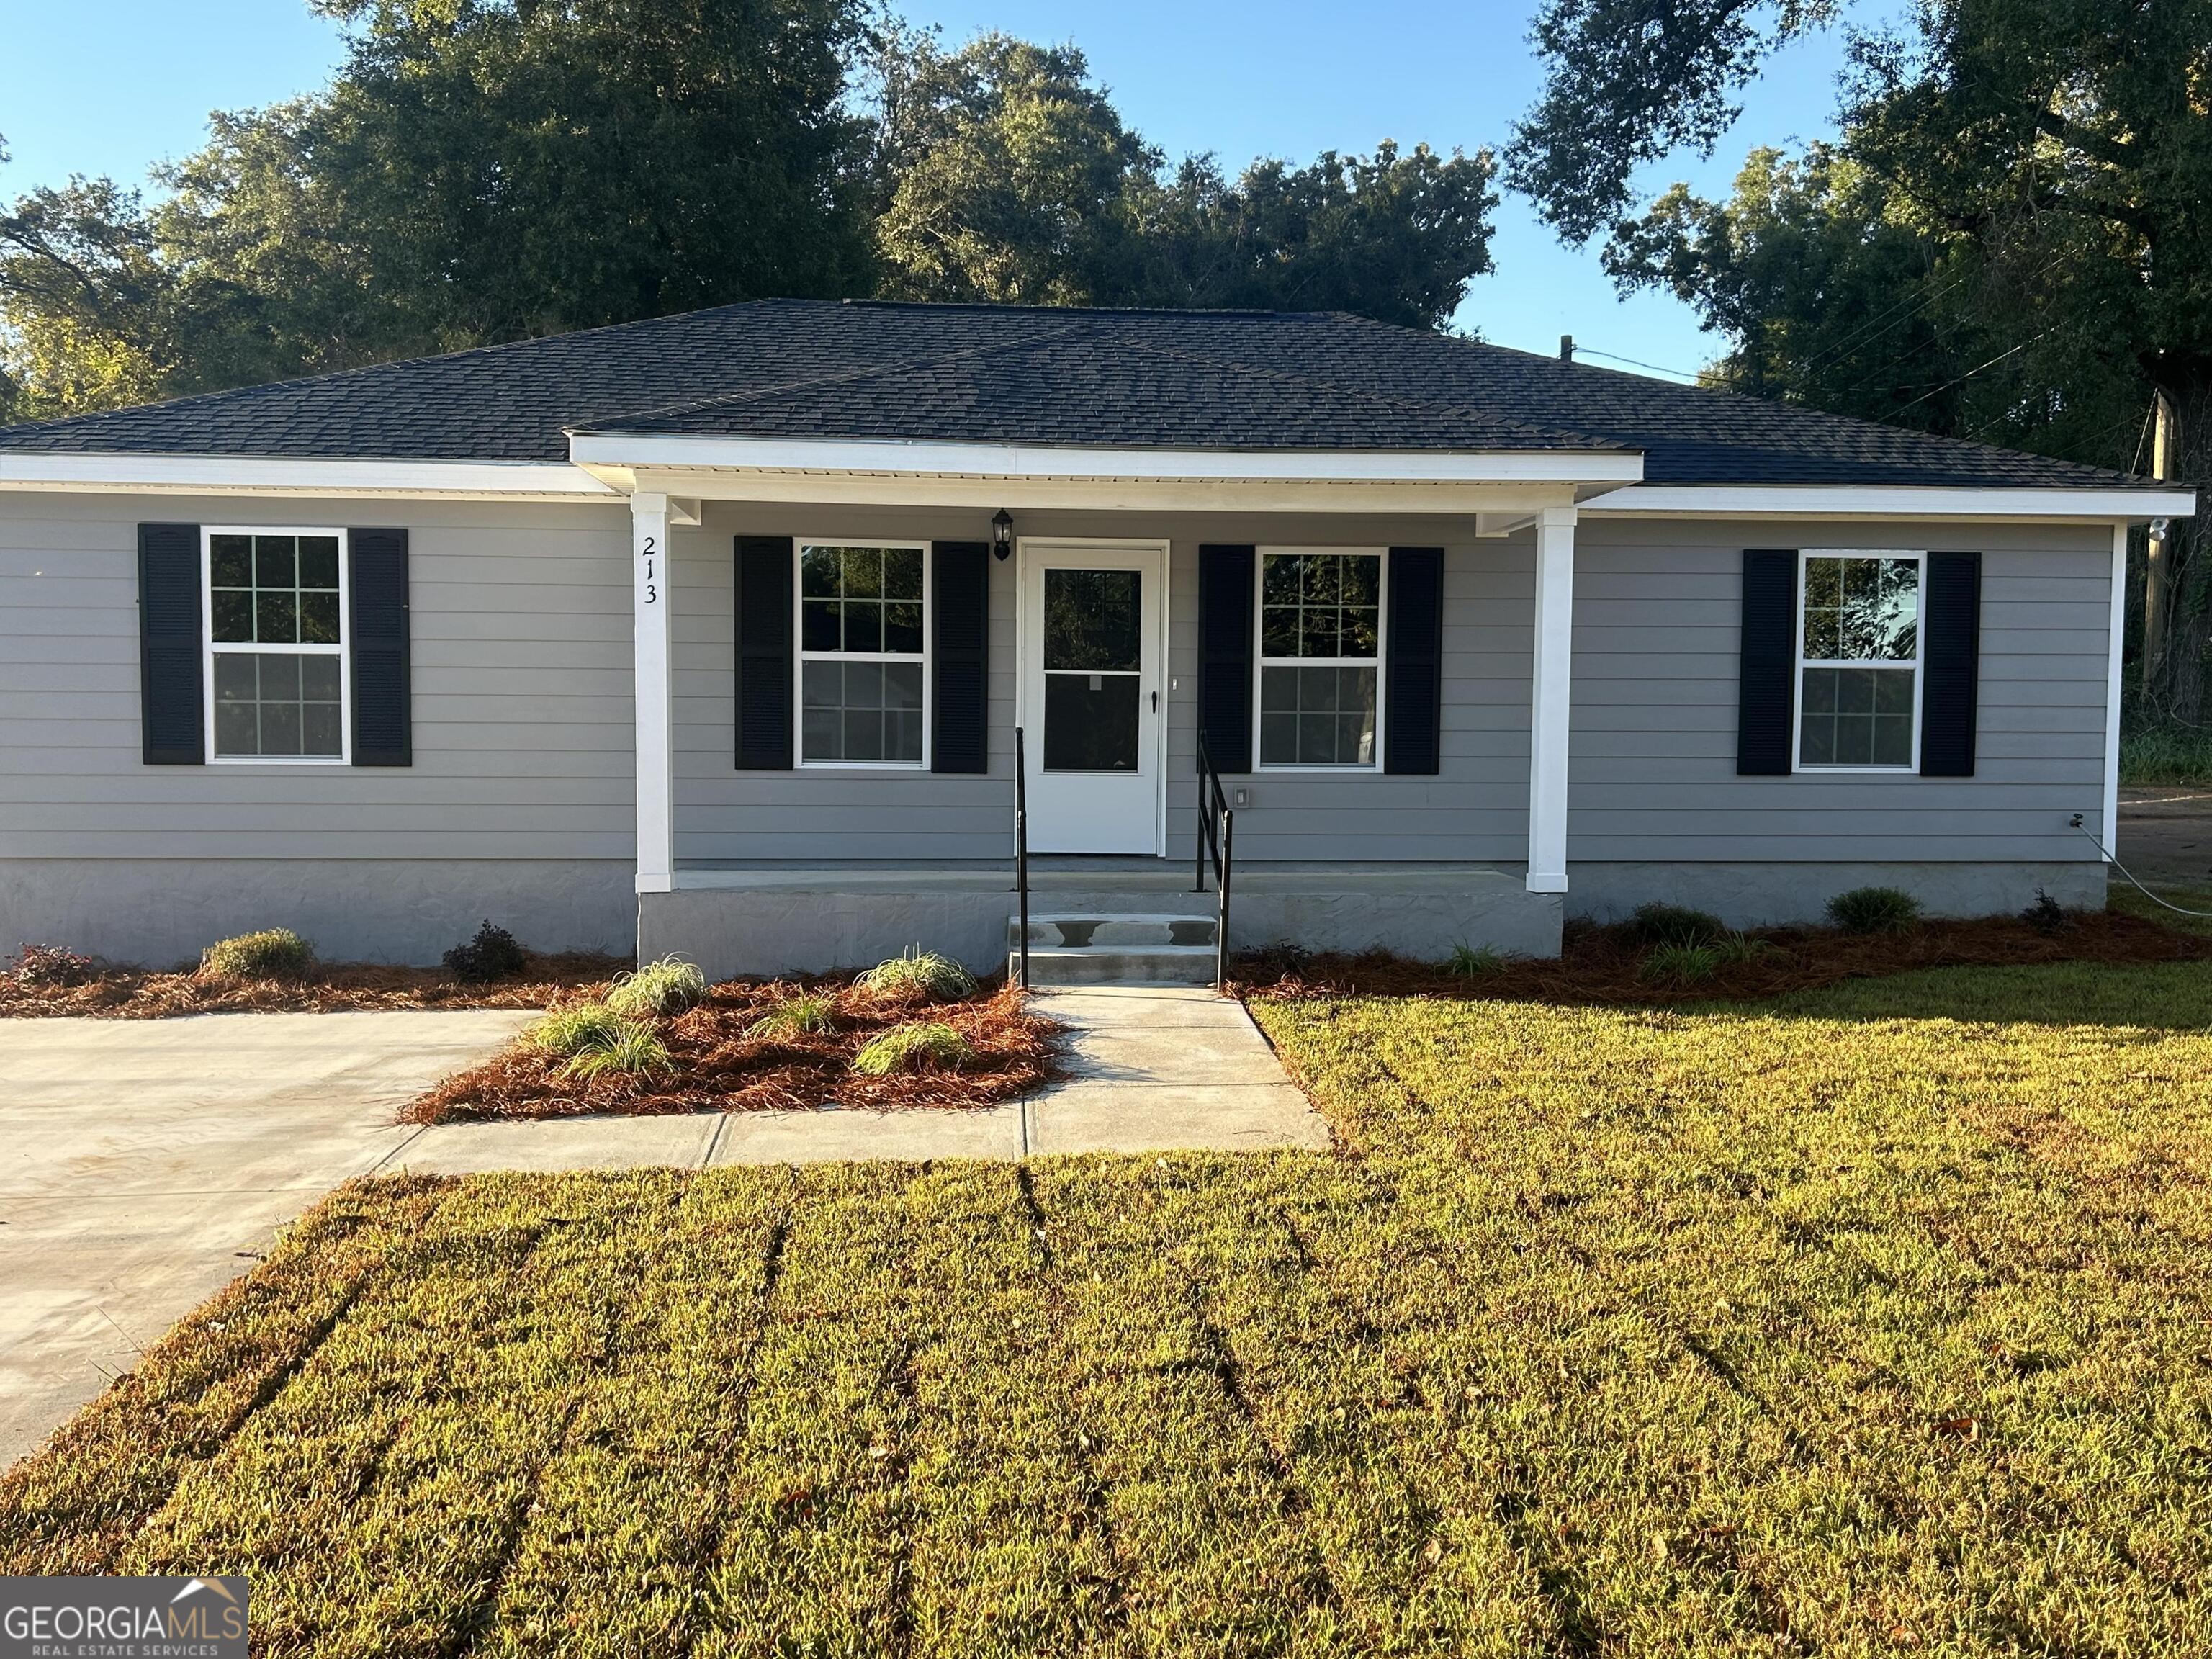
(1602, 965)
(137, 993)
(717, 1067)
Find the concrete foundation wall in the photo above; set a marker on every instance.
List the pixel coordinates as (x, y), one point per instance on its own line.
(162, 912)
(769, 930)
(1783, 895)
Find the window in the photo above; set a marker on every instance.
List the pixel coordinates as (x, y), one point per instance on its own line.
(862, 616)
(1858, 656)
(277, 644)
(1321, 646)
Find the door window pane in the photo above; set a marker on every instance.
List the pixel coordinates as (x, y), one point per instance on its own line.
(1093, 621)
(1090, 722)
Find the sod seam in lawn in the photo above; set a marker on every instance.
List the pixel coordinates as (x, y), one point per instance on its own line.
(1869, 1320)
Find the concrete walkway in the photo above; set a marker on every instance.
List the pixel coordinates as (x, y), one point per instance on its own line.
(1157, 1067)
(148, 1163)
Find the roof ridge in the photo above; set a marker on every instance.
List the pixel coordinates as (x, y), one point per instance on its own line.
(696, 405)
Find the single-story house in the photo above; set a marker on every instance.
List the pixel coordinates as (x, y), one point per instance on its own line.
(714, 633)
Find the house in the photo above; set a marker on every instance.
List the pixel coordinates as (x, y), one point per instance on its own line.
(714, 634)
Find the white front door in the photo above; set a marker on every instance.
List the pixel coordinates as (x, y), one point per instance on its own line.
(1090, 682)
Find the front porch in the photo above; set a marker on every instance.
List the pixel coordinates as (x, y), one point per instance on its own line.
(813, 918)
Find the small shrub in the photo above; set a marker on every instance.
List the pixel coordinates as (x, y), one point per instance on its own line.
(805, 1015)
(492, 954)
(1873, 910)
(669, 986)
(576, 1030)
(52, 965)
(1470, 962)
(906, 1047)
(1672, 924)
(1680, 965)
(272, 953)
(918, 973)
(633, 1050)
(1734, 948)
(2046, 914)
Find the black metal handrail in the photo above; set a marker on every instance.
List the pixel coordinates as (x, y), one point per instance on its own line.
(1022, 847)
(1217, 835)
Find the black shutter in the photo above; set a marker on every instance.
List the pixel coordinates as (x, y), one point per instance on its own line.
(1951, 635)
(1225, 656)
(764, 654)
(383, 717)
(172, 711)
(960, 596)
(1412, 699)
(1766, 689)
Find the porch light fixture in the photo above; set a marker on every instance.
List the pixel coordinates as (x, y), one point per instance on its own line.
(1002, 534)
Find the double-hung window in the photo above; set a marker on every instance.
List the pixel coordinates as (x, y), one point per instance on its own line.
(1858, 660)
(1321, 651)
(863, 625)
(277, 644)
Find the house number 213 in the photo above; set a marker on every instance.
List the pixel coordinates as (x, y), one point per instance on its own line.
(646, 553)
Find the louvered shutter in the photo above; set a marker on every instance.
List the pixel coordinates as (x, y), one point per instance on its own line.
(172, 692)
(1413, 701)
(1766, 689)
(1224, 655)
(378, 612)
(763, 711)
(1950, 646)
(960, 638)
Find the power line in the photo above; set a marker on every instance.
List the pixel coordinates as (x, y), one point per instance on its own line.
(1975, 369)
(1582, 350)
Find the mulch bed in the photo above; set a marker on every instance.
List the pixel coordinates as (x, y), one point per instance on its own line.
(135, 993)
(719, 1067)
(1603, 964)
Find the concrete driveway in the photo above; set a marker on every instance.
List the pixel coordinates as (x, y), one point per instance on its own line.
(145, 1160)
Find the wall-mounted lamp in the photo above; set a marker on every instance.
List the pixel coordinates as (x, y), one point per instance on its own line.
(1002, 534)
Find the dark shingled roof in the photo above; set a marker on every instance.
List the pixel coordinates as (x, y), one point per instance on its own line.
(1232, 380)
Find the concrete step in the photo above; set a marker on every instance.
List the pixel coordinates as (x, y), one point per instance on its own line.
(1133, 964)
(1118, 931)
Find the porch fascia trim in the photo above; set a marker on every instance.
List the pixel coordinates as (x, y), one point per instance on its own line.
(660, 451)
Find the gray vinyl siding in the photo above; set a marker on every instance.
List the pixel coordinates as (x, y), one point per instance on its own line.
(1653, 747)
(1475, 811)
(521, 687)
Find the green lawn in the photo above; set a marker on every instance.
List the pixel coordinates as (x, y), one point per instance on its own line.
(1873, 1321)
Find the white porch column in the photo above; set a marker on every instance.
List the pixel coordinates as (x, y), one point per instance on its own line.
(1552, 681)
(656, 748)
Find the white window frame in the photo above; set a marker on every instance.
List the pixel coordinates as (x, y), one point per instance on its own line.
(210, 650)
(801, 656)
(1919, 558)
(1261, 662)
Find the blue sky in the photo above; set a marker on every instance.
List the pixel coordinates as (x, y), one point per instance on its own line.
(1238, 77)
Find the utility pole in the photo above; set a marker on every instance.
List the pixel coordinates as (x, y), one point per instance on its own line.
(2155, 568)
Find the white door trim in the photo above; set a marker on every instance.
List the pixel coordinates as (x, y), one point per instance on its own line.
(1025, 717)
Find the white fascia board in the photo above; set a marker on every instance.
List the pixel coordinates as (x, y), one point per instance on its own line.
(656, 450)
(1844, 501)
(303, 475)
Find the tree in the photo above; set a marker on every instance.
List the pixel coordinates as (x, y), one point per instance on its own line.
(479, 170)
(1006, 174)
(2012, 237)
